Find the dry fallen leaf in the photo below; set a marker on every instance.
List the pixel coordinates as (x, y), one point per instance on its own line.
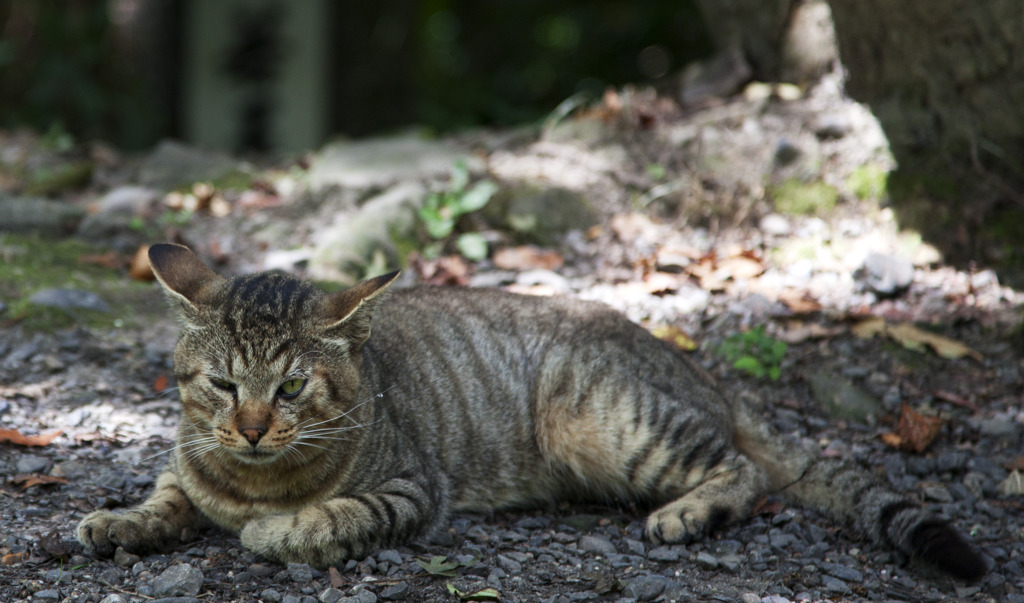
(798, 331)
(448, 270)
(1017, 463)
(54, 545)
(662, 282)
(675, 336)
(799, 302)
(715, 270)
(160, 384)
(914, 338)
(139, 268)
(15, 437)
(868, 328)
(14, 558)
(915, 431)
(1013, 485)
(27, 480)
(527, 257)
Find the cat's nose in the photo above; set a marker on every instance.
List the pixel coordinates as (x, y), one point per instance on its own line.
(253, 435)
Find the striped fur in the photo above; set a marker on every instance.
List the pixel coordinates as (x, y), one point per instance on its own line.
(459, 400)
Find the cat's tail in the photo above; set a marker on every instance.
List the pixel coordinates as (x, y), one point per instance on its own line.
(857, 497)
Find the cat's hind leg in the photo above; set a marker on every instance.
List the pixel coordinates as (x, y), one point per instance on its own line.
(727, 492)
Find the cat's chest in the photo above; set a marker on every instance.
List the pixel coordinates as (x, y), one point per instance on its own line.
(232, 498)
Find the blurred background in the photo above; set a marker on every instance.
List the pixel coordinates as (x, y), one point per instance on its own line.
(265, 74)
(941, 76)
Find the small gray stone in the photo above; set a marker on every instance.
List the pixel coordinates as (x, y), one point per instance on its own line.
(178, 580)
(596, 545)
(843, 572)
(509, 565)
(645, 588)
(706, 561)
(124, 558)
(110, 576)
(28, 463)
(114, 598)
(271, 596)
(301, 573)
(395, 592)
(331, 595)
(291, 599)
(260, 571)
(69, 299)
(71, 470)
(391, 556)
(834, 585)
(363, 595)
(50, 594)
(665, 554)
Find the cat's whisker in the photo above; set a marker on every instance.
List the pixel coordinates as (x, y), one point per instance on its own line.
(349, 411)
(338, 429)
(197, 440)
(301, 443)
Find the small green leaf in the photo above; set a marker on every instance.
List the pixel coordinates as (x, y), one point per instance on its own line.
(439, 566)
(472, 246)
(487, 594)
(460, 176)
(750, 364)
(440, 227)
(477, 197)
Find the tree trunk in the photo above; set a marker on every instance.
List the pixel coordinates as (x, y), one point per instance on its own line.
(946, 80)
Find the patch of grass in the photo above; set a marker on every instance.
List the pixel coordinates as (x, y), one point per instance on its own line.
(756, 353)
(29, 264)
(796, 197)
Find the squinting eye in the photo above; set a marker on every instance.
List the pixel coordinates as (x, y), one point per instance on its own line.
(222, 384)
(291, 388)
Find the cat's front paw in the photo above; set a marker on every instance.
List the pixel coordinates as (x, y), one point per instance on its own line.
(266, 536)
(101, 532)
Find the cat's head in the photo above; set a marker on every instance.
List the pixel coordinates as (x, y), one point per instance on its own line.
(267, 364)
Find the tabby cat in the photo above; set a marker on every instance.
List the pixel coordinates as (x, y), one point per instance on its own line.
(318, 439)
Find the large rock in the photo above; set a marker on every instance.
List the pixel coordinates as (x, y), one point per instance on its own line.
(32, 215)
(380, 162)
(346, 246)
(114, 212)
(173, 164)
(540, 214)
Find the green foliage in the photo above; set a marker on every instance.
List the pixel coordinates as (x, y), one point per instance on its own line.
(755, 352)
(442, 211)
(868, 182)
(796, 197)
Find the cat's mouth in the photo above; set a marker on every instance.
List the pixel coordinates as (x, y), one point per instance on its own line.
(255, 456)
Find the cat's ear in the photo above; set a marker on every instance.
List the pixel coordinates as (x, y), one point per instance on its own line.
(185, 278)
(349, 312)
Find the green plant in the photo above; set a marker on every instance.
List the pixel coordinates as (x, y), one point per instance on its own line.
(442, 210)
(799, 198)
(755, 352)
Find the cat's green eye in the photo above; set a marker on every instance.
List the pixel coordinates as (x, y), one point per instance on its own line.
(223, 384)
(291, 388)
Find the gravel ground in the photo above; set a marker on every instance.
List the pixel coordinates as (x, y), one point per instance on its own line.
(96, 386)
(107, 389)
